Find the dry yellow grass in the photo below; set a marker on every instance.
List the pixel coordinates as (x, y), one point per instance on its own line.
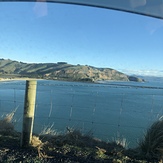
(6, 123)
(40, 146)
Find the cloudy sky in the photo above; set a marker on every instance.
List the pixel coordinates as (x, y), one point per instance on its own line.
(51, 32)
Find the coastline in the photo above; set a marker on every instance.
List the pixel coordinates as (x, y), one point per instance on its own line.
(16, 79)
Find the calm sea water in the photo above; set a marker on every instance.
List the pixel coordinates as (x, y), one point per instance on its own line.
(106, 110)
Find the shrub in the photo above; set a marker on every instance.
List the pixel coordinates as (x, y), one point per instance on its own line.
(152, 145)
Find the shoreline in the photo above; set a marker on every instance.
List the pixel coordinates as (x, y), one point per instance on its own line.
(17, 79)
(95, 82)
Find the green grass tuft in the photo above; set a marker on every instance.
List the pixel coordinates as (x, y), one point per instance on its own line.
(152, 145)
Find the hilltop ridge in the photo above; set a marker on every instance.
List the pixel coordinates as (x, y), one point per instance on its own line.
(61, 71)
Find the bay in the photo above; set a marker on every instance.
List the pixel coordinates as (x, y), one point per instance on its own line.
(107, 110)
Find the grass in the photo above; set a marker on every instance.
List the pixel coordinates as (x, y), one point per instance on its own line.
(152, 144)
(120, 140)
(49, 131)
(6, 123)
(75, 147)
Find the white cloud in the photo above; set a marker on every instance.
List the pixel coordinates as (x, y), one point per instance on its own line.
(40, 8)
(154, 26)
(157, 73)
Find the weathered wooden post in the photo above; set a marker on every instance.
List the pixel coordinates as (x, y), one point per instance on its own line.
(29, 109)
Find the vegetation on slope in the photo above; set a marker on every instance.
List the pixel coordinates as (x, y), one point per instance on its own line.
(61, 71)
(74, 147)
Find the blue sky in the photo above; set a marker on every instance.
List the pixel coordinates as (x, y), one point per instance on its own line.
(51, 32)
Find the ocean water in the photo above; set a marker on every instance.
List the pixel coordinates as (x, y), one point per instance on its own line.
(107, 110)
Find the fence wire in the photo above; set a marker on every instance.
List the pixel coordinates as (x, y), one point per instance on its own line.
(104, 110)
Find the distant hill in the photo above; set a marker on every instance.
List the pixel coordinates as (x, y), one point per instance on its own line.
(60, 71)
(151, 78)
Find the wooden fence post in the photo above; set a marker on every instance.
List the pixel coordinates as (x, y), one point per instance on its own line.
(29, 108)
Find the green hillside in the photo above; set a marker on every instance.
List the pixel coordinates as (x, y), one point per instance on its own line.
(60, 71)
